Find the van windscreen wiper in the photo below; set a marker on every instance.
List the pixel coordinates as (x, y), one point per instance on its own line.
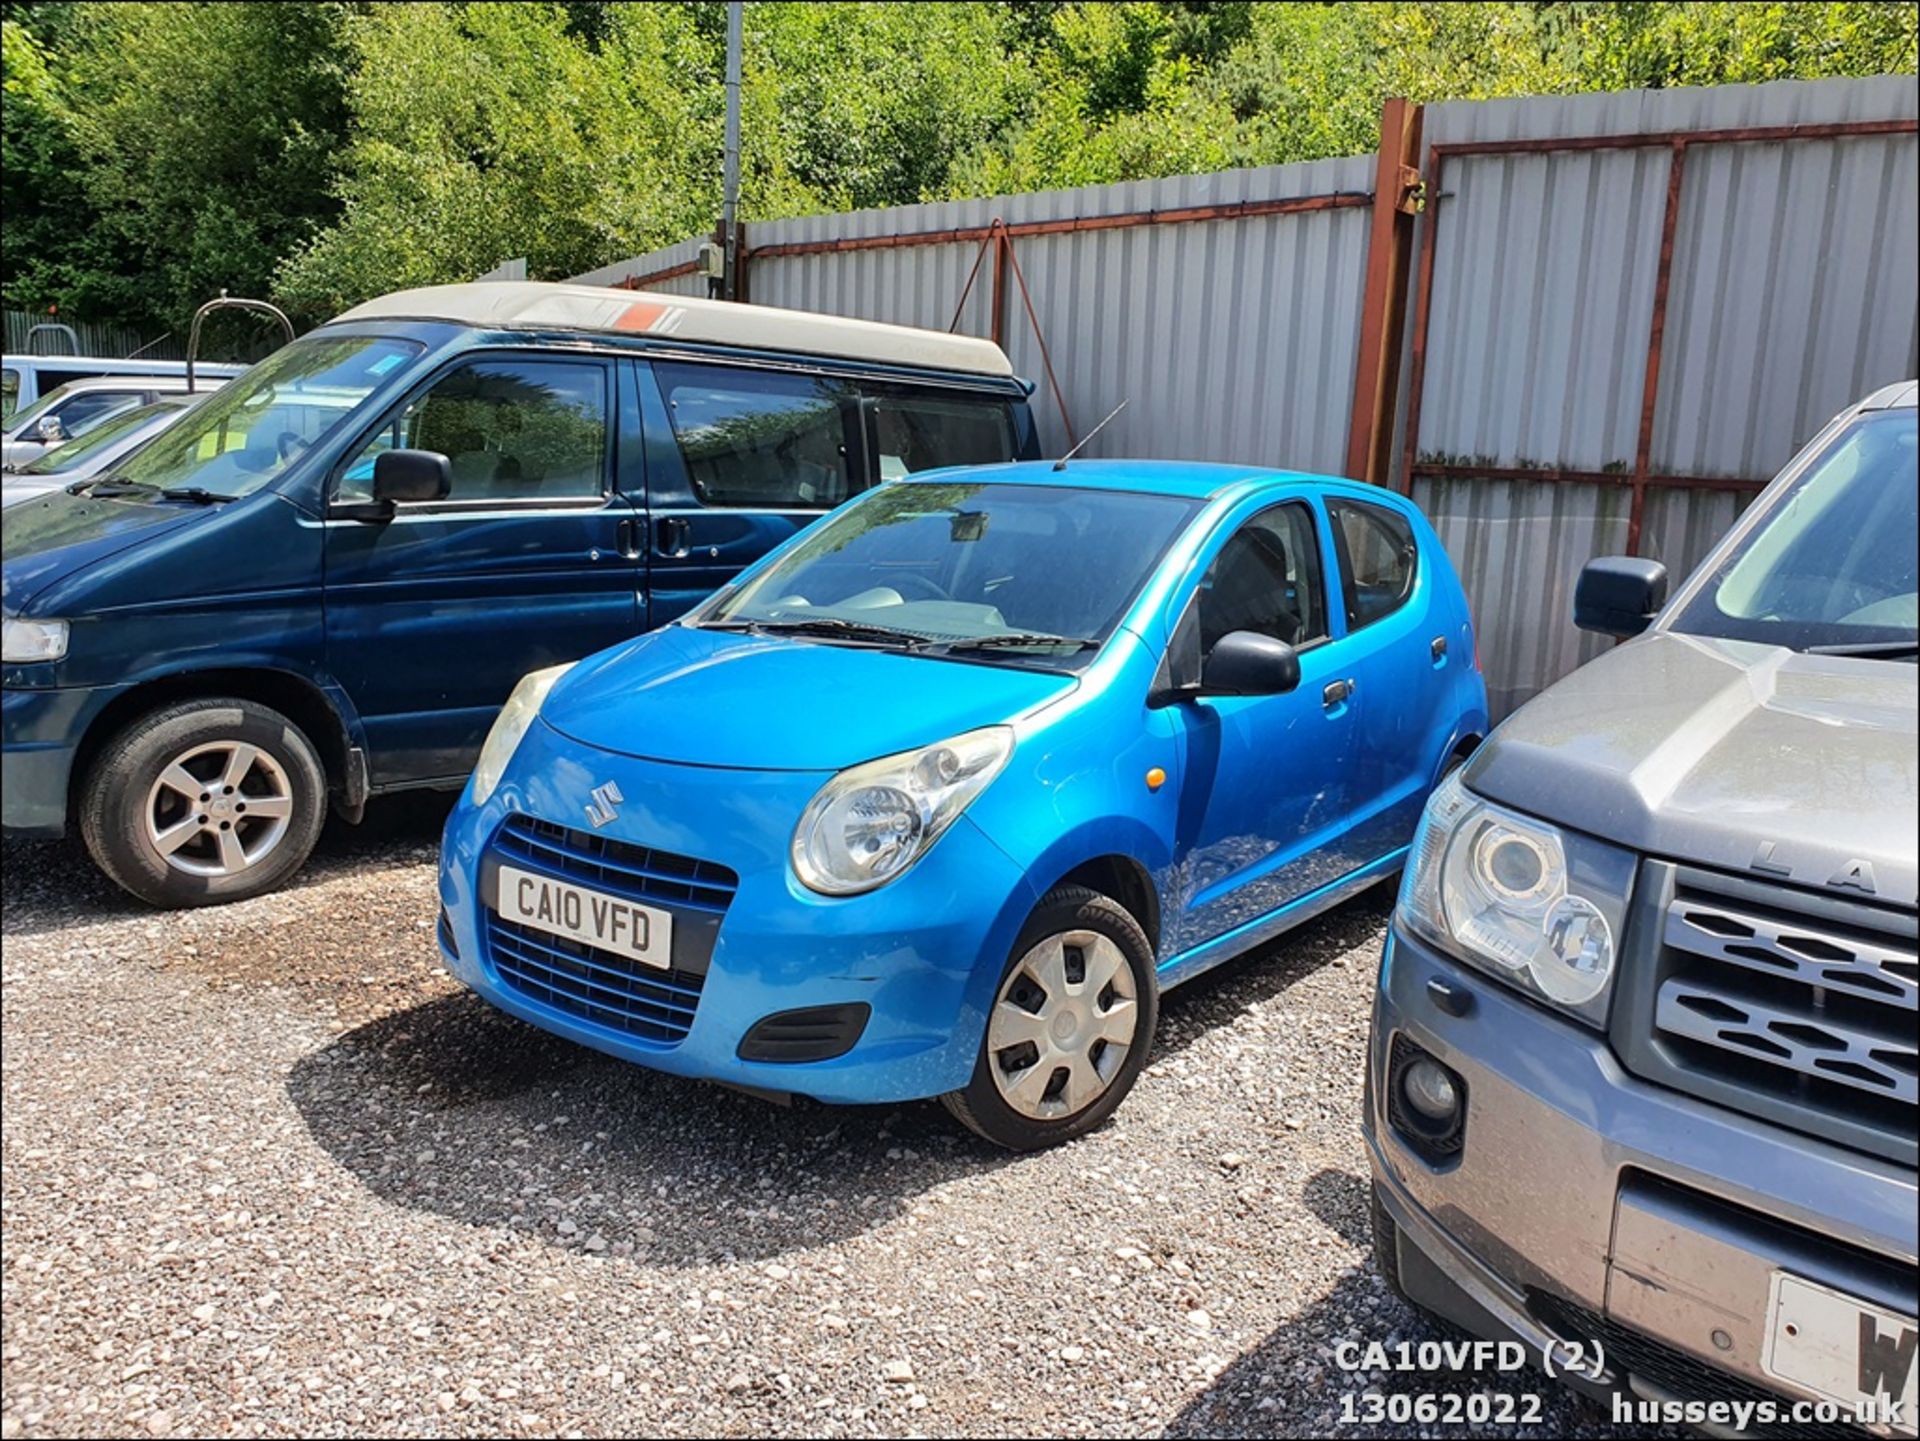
(199, 495)
(1870, 649)
(109, 486)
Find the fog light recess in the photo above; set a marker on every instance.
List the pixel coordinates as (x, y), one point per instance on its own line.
(1426, 1102)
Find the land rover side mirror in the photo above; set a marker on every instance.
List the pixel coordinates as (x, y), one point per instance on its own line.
(1244, 662)
(411, 476)
(1619, 594)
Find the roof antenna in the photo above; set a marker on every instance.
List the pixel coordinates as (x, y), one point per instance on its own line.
(1080, 444)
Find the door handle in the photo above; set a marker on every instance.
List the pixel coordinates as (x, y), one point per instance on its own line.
(627, 539)
(1336, 693)
(672, 532)
(1439, 647)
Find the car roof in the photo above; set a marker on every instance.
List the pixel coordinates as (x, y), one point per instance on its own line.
(169, 384)
(1192, 479)
(535, 305)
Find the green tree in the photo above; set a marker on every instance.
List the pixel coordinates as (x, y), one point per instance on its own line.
(208, 133)
(46, 223)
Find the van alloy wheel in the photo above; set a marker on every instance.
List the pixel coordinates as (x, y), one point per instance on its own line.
(219, 809)
(1064, 1022)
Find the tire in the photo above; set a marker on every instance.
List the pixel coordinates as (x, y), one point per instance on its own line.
(227, 844)
(1092, 928)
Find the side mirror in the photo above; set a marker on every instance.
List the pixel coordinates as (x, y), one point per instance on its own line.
(1619, 595)
(1244, 662)
(50, 430)
(403, 476)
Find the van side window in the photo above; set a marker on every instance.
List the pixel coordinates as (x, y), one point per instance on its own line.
(510, 429)
(1378, 558)
(922, 431)
(1267, 578)
(757, 440)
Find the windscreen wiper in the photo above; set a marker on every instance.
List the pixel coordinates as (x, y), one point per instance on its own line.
(1025, 640)
(1870, 649)
(199, 495)
(108, 486)
(835, 627)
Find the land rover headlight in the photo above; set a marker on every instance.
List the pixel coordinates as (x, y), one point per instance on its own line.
(509, 726)
(872, 821)
(1537, 906)
(23, 641)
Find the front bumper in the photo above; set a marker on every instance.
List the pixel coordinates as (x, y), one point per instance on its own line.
(924, 953)
(1582, 1192)
(40, 734)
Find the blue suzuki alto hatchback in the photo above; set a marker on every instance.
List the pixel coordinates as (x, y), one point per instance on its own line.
(940, 796)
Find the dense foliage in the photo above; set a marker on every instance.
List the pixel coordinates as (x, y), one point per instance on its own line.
(322, 151)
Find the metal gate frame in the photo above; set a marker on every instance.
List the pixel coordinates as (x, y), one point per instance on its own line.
(1643, 476)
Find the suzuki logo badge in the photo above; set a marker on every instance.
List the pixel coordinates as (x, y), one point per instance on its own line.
(604, 809)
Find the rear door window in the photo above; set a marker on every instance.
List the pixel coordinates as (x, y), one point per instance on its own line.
(913, 431)
(512, 430)
(1379, 559)
(758, 440)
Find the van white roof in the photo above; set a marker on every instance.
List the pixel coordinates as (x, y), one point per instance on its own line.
(533, 305)
(101, 365)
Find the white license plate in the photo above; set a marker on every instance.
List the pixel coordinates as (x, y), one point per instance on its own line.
(1849, 1351)
(611, 923)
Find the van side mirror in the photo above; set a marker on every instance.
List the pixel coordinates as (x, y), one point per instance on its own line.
(1245, 662)
(1619, 595)
(411, 476)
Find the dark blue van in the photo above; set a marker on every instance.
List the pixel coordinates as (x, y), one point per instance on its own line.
(322, 584)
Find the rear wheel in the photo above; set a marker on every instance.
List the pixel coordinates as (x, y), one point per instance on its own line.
(203, 802)
(1070, 1026)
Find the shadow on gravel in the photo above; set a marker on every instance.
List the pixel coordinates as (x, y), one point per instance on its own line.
(1341, 1200)
(458, 1109)
(1306, 1393)
(50, 885)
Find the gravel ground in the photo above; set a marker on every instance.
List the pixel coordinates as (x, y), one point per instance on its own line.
(268, 1171)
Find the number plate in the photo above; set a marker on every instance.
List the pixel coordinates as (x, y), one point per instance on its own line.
(610, 923)
(1847, 1350)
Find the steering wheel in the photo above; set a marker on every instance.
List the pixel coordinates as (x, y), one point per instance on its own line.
(289, 445)
(929, 589)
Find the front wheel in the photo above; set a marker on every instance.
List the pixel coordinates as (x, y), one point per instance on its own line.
(203, 802)
(1070, 1027)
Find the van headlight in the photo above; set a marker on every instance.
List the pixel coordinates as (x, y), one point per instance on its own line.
(1539, 907)
(509, 726)
(24, 641)
(872, 821)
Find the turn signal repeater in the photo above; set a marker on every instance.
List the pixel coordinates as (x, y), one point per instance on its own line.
(1156, 778)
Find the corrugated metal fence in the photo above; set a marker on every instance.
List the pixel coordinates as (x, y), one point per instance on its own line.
(114, 341)
(1629, 311)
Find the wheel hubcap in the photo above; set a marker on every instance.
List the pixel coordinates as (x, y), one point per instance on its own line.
(1062, 1025)
(219, 809)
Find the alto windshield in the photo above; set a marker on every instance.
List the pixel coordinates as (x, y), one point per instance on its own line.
(1834, 564)
(1036, 574)
(112, 432)
(247, 432)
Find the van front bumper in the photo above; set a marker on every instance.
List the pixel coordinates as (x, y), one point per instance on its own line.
(40, 734)
(922, 954)
(1585, 1204)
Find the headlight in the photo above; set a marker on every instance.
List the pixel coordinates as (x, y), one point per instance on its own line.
(1535, 905)
(511, 724)
(23, 640)
(872, 821)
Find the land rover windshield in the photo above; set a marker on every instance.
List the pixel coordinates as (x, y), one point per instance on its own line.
(1833, 565)
(252, 428)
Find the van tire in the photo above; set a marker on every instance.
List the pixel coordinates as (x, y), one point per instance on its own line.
(981, 1107)
(124, 804)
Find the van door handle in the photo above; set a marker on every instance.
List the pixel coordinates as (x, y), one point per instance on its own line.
(672, 532)
(1336, 693)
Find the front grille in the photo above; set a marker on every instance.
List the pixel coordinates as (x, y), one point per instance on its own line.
(605, 987)
(1672, 1370)
(1789, 1009)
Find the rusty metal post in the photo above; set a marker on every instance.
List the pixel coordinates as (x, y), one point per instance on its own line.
(1002, 247)
(1656, 336)
(1396, 199)
(1422, 315)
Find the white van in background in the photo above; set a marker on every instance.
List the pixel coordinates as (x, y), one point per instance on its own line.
(25, 378)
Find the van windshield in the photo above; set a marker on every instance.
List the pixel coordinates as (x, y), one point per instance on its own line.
(1036, 574)
(247, 432)
(1834, 564)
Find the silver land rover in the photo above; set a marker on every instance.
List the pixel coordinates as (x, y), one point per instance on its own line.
(1641, 1086)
